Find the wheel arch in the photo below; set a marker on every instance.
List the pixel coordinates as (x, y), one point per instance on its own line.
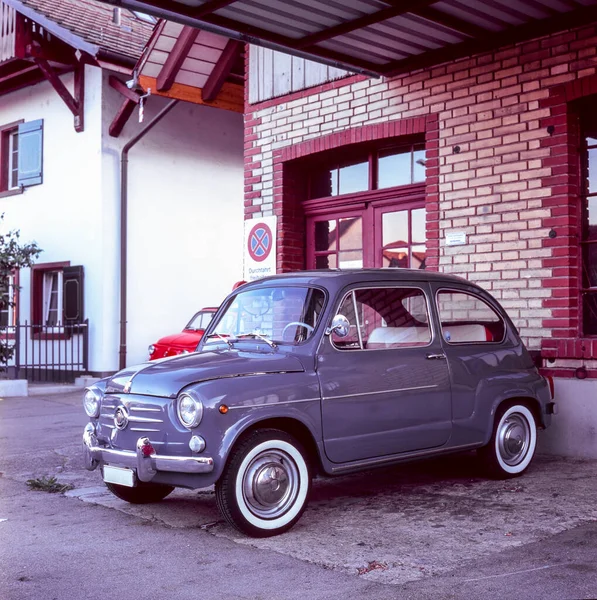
(293, 427)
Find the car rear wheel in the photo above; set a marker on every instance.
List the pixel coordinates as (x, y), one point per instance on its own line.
(513, 442)
(142, 493)
(265, 485)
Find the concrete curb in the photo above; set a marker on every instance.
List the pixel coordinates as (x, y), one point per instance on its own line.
(22, 388)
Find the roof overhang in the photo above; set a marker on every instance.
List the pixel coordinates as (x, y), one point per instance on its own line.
(375, 37)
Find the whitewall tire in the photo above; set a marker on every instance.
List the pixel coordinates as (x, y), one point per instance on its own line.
(265, 485)
(513, 442)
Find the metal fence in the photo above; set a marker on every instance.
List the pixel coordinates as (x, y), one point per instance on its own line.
(44, 354)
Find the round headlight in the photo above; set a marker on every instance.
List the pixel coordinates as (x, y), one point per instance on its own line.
(91, 403)
(151, 349)
(190, 411)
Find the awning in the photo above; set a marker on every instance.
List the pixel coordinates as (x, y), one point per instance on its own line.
(375, 37)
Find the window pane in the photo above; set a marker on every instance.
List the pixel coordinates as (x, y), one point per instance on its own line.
(419, 166)
(590, 232)
(591, 141)
(326, 262)
(351, 243)
(394, 229)
(592, 170)
(354, 178)
(394, 318)
(590, 314)
(325, 236)
(393, 168)
(589, 261)
(418, 226)
(417, 257)
(396, 258)
(468, 319)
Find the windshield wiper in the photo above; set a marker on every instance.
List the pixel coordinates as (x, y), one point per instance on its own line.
(227, 340)
(257, 335)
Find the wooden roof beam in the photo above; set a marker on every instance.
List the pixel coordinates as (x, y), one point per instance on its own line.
(182, 47)
(366, 20)
(122, 116)
(222, 69)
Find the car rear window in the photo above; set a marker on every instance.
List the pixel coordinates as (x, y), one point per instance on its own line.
(467, 319)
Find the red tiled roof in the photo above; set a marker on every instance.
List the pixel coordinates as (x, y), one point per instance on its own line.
(93, 22)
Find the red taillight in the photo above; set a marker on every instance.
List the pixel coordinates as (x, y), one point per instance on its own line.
(552, 389)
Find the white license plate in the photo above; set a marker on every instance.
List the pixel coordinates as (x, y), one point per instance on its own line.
(119, 476)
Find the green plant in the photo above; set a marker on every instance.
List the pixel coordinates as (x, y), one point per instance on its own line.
(48, 484)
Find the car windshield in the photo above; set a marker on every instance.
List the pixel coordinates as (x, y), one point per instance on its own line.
(284, 315)
(201, 320)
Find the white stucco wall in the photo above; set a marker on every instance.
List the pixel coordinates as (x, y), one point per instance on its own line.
(185, 218)
(61, 214)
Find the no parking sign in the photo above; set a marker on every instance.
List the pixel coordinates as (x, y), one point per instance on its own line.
(260, 248)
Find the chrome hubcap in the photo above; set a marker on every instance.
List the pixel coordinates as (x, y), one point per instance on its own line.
(271, 484)
(513, 439)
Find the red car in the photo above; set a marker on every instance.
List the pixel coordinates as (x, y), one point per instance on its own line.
(187, 340)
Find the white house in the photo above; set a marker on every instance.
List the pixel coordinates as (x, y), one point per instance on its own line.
(66, 115)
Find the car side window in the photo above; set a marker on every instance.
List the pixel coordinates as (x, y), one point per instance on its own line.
(467, 319)
(385, 317)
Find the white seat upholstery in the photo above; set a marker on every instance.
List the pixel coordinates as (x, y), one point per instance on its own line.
(466, 333)
(386, 337)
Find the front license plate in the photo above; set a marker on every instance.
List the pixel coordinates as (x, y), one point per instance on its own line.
(119, 476)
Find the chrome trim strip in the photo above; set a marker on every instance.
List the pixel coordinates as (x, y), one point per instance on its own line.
(399, 457)
(274, 403)
(143, 429)
(421, 387)
(144, 420)
(140, 409)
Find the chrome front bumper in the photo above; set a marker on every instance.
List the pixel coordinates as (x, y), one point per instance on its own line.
(145, 466)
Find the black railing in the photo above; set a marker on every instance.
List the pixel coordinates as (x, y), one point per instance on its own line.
(44, 354)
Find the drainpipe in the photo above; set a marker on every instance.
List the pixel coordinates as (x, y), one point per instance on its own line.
(124, 162)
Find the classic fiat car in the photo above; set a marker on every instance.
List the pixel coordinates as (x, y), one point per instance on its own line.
(187, 340)
(320, 373)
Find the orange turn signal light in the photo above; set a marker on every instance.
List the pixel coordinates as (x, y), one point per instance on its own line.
(223, 409)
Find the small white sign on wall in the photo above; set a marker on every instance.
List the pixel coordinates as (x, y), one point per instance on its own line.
(260, 248)
(456, 238)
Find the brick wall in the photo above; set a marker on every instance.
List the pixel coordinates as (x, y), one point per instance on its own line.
(496, 171)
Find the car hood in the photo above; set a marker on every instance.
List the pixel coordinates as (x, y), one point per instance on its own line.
(186, 338)
(167, 377)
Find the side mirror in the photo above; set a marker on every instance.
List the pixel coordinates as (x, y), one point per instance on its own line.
(340, 326)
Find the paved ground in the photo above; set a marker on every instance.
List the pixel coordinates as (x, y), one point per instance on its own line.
(435, 529)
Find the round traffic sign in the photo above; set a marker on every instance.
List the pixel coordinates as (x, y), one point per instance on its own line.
(260, 242)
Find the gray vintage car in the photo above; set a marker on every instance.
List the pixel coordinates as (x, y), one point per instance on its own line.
(320, 373)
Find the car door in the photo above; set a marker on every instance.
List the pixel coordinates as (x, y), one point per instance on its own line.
(385, 386)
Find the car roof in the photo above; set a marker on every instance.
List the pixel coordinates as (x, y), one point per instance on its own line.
(346, 276)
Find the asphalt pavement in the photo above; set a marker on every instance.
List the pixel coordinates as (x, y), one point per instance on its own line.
(437, 529)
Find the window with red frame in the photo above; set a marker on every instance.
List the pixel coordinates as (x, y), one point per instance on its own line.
(365, 207)
(589, 228)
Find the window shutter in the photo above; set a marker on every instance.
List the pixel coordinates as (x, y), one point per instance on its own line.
(31, 136)
(72, 295)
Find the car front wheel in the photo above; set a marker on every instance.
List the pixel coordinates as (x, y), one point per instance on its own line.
(265, 485)
(513, 443)
(142, 493)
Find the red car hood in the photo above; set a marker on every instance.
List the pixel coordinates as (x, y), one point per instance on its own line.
(187, 339)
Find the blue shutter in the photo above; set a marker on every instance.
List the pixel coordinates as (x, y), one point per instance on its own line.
(31, 138)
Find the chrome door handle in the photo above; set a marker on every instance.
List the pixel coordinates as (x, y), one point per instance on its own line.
(436, 356)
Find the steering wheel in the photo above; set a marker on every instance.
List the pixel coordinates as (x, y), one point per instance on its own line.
(297, 324)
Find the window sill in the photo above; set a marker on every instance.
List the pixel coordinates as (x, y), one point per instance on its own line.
(7, 193)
